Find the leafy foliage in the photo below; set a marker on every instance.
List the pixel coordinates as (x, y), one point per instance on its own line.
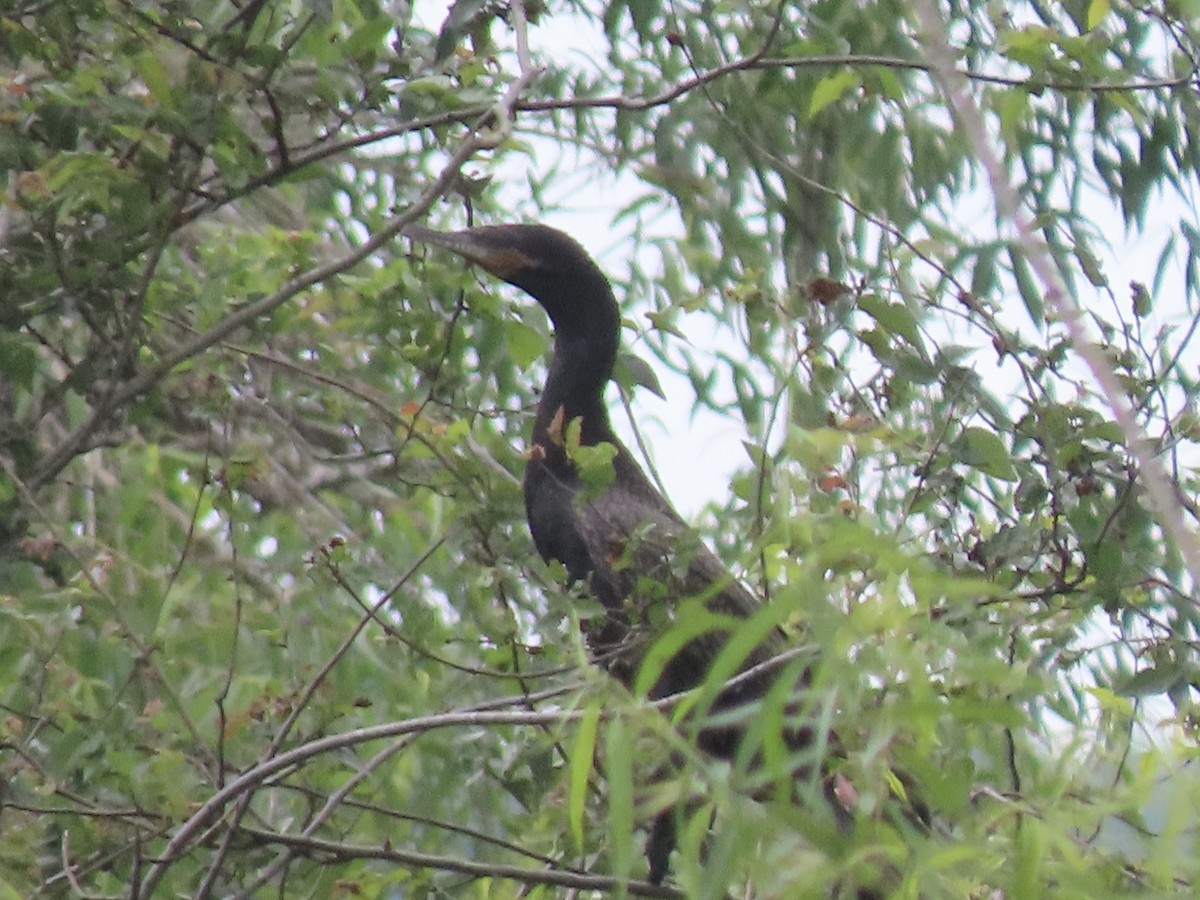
(270, 623)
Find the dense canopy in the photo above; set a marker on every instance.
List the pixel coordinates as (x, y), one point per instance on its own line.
(919, 281)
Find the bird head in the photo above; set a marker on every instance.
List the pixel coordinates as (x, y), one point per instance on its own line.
(542, 261)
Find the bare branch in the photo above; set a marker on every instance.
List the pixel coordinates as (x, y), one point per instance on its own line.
(412, 859)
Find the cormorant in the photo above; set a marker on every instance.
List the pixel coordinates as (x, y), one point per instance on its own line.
(626, 542)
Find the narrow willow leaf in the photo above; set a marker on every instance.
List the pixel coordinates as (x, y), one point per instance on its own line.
(582, 754)
(619, 769)
(1027, 287)
(632, 369)
(1154, 680)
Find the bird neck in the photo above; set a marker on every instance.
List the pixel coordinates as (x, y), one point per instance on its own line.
(574, 389)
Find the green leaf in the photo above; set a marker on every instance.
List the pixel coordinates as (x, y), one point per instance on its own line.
(1110, 432)
(1031, 494)
(1091, 265)
(1105, 562)
(1030, 45)
(699, 621)
(1143, 302)
(18, 358)
(643, 14)
(1157, 679)
(983, 276)
(986, 710)
(154, 75)
(983, 450)
(583, 754)
(662, 321)
(594, 462)
(525, 343)
(1097, 11)
(893, 318)
(1012, 107)
(1111, 701)
(369, 36)
(1027, 287)
(831, 88)
(619, 769)
(632, 369)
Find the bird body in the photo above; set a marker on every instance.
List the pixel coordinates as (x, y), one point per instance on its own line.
(625, 542)
(629, 534)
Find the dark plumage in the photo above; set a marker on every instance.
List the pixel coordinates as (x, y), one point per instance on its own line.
(629, 535)
(630, 530)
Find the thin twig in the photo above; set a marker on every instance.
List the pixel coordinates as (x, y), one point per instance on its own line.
(412, 859)
(268, 770)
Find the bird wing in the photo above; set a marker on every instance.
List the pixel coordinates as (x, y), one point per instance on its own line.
(649, 569)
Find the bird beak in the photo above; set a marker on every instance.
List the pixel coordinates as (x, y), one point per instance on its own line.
(479, 246)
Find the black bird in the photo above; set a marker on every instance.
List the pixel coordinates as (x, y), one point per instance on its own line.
(628, 536)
